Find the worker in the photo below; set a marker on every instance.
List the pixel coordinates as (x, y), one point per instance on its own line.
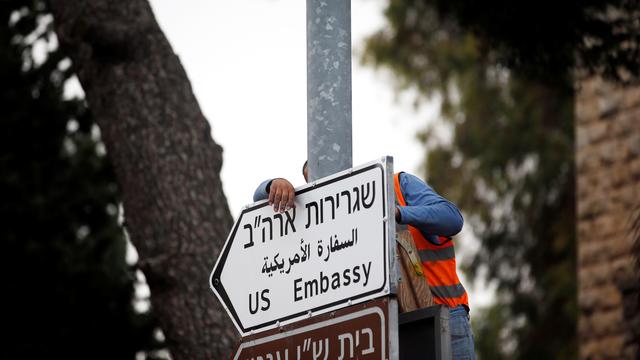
(432, 221)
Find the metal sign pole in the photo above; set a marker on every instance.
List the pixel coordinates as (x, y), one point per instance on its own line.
(329, 148)
(329, 130)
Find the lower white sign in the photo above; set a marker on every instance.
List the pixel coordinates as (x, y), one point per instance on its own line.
(329, 251)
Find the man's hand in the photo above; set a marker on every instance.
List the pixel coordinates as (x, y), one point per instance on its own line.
(281, 195)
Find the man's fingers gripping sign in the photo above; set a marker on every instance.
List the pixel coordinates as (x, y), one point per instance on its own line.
(281, 195)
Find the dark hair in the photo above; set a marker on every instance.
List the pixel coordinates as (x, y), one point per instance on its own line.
(304, 166)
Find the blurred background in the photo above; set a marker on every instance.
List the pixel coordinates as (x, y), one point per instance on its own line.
(526, 115)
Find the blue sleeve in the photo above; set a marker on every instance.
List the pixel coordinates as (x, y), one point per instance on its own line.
(261, 192)
(426, 210)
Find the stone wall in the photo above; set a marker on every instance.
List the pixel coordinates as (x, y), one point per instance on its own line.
(608, 193)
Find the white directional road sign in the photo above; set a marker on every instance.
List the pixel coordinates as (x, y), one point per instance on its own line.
(330, 251)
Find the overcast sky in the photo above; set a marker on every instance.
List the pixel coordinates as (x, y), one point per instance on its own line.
(246, 61)
(247, 64)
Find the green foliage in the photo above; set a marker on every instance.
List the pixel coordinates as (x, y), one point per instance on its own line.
(488, 327)
(509, 166)
(547, 38)
(66, 286)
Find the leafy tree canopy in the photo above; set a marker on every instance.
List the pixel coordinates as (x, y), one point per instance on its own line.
(68, 291)
(552, 38)
(508, 164)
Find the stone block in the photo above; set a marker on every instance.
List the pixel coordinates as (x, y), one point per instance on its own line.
(609, 153)
(609, 103)
(601, 298)
(590, 208)
(589, 348)
(622, 266)
(587, 161)
(607, 129)
(582, 137)
(584, 230)
(626, 123)
(631, 98)
(583, 188)
(606, 224)
(625, 197)
(597, 131)
(592, 186)
(593, 251)
(586, 327)
(618, 175)
(611, 346)
(595, 274)
(586, 110)
(621, 245)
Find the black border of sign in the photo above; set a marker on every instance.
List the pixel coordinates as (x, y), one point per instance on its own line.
(215, 276)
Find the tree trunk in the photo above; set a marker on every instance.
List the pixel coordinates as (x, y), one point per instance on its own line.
(167, 164)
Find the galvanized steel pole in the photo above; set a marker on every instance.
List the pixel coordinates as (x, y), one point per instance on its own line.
(329, 148)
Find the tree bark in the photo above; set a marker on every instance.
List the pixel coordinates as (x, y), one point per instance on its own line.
(166, 162)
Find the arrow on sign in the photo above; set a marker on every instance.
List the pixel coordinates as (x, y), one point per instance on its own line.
(329, 251)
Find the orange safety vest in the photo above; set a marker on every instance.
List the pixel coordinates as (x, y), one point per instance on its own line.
(438, 263)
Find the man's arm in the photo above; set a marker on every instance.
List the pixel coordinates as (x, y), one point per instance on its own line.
(262, 192)
(426, 210)
(280, 192)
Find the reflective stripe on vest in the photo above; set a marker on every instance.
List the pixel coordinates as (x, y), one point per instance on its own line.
(438, 263)
(437, 254)
(451, 291)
